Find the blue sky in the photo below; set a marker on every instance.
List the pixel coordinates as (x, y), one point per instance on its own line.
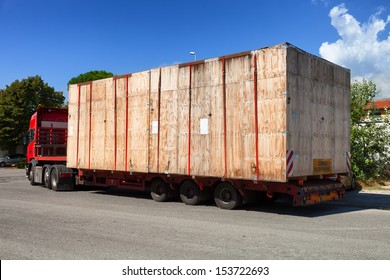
(60, 39)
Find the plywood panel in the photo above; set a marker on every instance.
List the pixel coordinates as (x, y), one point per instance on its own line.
(240, 117)
(154, 126)
(168, 120)
(121, 123)
(201, 108)
(72, 126)
(214, 117)
(316, 122)
(299, 118)
(84, 126)
(271, 62)
(183, 121)
(102, 155)
(138, 122)
(272, 126)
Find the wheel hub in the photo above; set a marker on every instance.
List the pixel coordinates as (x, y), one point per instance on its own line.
(226, 196)
(189, 193)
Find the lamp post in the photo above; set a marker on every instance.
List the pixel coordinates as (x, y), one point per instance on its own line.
(194, 54)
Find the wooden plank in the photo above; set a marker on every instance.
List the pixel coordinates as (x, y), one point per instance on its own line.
(102, 126)
(271, 62)
(240, 117)
(201, 108)
(154, 126)
(183, 115)
(121, 123)
(272, 86)
(72, 126)
(212, 118)
(168, 120)
(84, 126)
(138, 122)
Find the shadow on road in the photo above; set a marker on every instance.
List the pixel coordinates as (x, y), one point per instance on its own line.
(353, 201)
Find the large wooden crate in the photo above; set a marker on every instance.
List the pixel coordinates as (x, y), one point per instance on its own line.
(269, 114)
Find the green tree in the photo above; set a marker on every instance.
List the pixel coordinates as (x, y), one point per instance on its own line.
(90, 76)
(18, 102)
(370, 135)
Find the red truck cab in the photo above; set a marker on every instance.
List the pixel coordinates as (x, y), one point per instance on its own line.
(46, 139)
(47, 135)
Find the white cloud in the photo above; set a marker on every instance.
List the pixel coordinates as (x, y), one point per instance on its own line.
(360, 48)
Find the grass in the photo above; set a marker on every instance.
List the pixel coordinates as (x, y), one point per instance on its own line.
(379, 184)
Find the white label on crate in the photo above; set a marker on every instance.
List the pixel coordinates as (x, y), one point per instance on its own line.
(204, 126)
(70, 130)
(154, 127)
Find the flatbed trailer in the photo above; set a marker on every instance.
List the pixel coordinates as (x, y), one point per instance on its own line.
(238, 127)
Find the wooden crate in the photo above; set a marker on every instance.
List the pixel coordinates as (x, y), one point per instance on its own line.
(270, 114)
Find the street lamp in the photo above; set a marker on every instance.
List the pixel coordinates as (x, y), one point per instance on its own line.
(194, 54)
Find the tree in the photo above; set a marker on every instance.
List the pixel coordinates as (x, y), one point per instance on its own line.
(90, 76)
(18, 102)
(370, 138)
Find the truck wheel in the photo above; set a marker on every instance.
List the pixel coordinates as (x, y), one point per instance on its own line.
(46, 177)
(2, 164)
(226, 196)
(54, 178)
(30, 172)
(190, 192)
(31, 176)
(159, 190)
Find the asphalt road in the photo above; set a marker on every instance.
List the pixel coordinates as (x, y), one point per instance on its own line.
(37, 223)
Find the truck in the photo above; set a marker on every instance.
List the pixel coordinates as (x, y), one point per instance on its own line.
(240, 127)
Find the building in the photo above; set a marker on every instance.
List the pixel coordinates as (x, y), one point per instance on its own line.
(380, 108)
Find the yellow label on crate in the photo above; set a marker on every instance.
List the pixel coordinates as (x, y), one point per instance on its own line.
(322, 166)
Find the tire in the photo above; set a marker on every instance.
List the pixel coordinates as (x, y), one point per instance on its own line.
(159, 190)
(2, 164)
(353, 183)
(46, 177)
(33, 163)
(226, 196)
(54, 178)
(31, 176)
(190, 193)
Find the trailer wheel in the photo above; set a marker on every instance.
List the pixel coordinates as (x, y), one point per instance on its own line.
(226, 196)
(190, 192)
(46, 176)
(54, 178)
(159, 190)
(353, 183)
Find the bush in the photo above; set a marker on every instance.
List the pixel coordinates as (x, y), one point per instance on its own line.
(370, 136)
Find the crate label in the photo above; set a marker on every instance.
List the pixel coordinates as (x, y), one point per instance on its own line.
(70, 130)
(204, 126)
(154, 127)
(322, 166)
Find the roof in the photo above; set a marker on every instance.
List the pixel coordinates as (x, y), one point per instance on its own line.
(380, 104)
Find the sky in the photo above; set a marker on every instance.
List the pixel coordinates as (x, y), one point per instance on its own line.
(59, 39)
